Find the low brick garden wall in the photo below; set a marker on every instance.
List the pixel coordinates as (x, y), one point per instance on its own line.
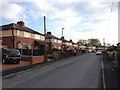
(33, 59)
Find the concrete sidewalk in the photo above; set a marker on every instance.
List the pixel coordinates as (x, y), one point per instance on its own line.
(111, 74)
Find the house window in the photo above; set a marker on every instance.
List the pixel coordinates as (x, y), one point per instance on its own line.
(59, 47)
(55, 40)
(66, 43)
(47, 40)
(52, 40)
(42, 38)
(18, 33)
(26, 34)
(37, 36)
(59, 41)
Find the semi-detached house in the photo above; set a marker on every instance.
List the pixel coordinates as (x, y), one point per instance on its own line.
(53, 42)
(18, 36)
(21, 37)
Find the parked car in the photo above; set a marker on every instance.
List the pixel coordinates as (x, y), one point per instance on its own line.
(98, 52)
(10, 55)
(75, 52)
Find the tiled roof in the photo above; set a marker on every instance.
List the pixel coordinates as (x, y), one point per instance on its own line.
(18, 27)
(51, 36)
(54, 37)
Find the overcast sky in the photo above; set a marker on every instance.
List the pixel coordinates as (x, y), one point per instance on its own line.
(81, 19)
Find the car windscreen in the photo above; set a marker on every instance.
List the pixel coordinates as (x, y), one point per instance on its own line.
(5, 51)
(14, 53)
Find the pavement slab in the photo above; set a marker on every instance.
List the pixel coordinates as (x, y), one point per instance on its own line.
(111, 74)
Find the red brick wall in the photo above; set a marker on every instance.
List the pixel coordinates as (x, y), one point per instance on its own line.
(34, 59)
(24, 40)
(38, 59)
(57, 44)
(28, 59)
(54, 44)
(8, 41)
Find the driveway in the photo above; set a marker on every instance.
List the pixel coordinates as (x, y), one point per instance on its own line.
(11, 66)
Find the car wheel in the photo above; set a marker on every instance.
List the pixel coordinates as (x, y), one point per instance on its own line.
(17, 62)
(3, 61)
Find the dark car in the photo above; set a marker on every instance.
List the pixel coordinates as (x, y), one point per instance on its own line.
(10, 55)
(75, 52)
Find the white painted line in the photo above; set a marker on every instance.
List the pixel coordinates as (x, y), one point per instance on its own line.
(103, 75)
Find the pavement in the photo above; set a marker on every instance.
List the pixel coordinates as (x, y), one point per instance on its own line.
(11, 66)
(111, 73)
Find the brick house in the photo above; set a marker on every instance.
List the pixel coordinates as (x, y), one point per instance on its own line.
(53, 42)
(67, 45)
(118, 44)
(20, 37)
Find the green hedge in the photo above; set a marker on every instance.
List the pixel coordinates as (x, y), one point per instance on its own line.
(118, 57)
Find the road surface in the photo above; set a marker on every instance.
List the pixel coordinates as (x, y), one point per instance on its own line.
(81, 71)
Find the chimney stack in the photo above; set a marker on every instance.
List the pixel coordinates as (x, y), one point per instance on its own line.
(62, 38)
(49, 33)
(21, 23)
(70, 40)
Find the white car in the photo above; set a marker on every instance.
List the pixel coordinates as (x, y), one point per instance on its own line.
(98, 52)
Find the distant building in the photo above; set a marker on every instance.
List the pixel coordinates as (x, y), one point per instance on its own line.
(21, 37)
(53, 42)
(67, 45)
(118, 45)
(107, 44)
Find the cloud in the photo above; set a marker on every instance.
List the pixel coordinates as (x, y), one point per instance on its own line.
(80, 19)
(11, 11)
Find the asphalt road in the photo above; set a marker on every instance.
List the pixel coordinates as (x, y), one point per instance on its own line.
(81, 71)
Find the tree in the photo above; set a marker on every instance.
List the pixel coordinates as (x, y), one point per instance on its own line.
(94, 42)
(82, 41)
(91, 41)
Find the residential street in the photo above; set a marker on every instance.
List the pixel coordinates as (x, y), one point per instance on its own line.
(81, 71)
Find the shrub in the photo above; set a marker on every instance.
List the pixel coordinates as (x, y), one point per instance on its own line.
(111, 54)
(118, 57)
(50, 56)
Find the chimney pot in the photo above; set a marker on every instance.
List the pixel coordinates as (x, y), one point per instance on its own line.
(62, 38)
(21, 23)
(49, 33)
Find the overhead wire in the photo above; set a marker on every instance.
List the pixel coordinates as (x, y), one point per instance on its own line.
(109, 18)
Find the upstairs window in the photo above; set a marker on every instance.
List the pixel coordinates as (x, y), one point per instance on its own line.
(37, 36)
(59, 41)
(26, 34)
(55, 41)
(18, 33)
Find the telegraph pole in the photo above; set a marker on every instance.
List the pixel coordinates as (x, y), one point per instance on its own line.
(62, 43)
(45, 58)
(104, 41)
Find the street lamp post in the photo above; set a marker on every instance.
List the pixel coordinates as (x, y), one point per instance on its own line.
(62, 43)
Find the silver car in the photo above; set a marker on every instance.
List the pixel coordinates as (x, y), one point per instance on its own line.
(98, 52)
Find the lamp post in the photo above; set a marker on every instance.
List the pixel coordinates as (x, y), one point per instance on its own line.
(62, 43)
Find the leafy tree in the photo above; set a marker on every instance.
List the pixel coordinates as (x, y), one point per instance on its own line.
(91, 41)
(94, 42)
(82, 41)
